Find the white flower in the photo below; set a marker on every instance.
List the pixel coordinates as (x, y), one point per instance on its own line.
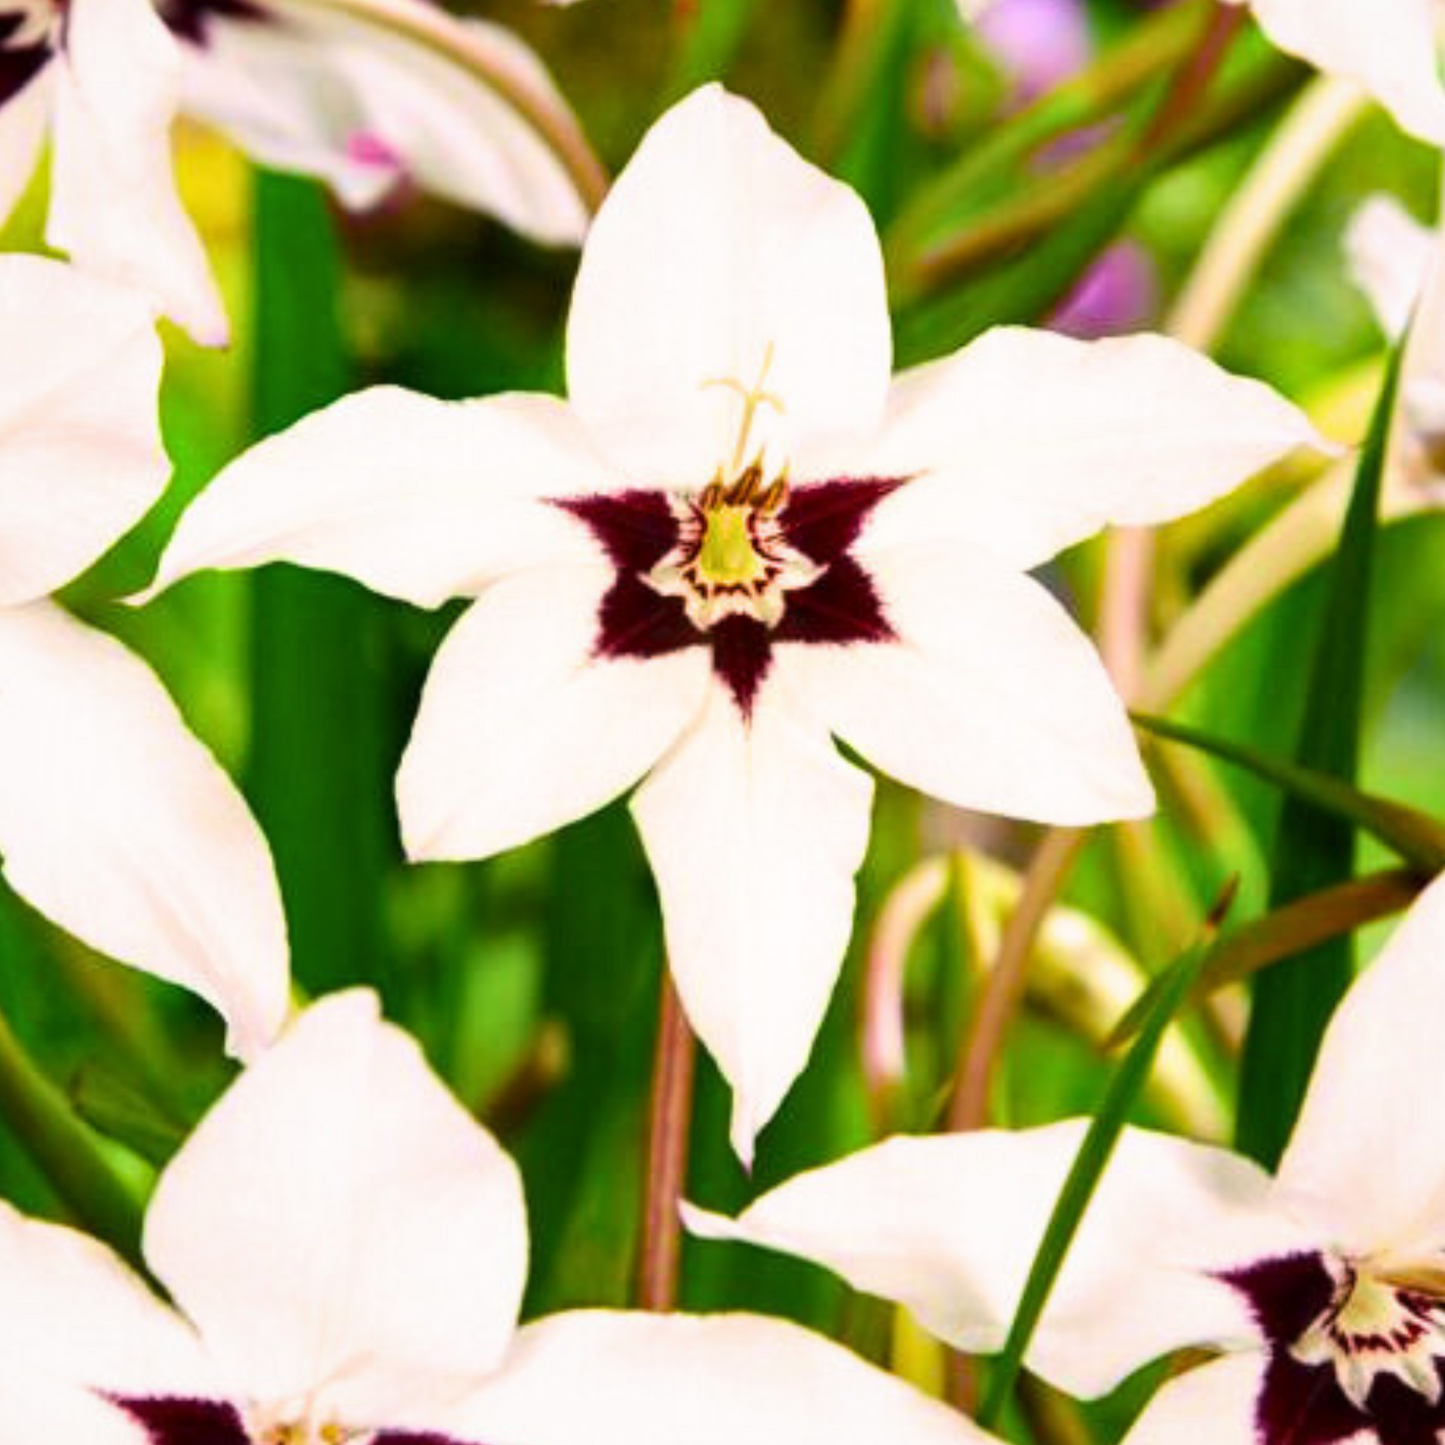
(114, 820)
(734, 539)
(103, 76)
(1400, 266)
(1326, 1282)
(1391, 47)
(304, 88)
(294, 85)
(346, 1250)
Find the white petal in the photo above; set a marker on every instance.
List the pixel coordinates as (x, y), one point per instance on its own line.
(113, 203)
(339, 1228)
(75, 1318)
(360, 108)
(522, 728)
(1389, 255)
(1213, 1404)
(717, 244)
(754, 831)
(80, 445)
(637, 1379)
(949, 1226)
(1367, 1159)
(39, 1409)
(1026, 441)
(23, 119)
(1389, 46)
(116, 823)
(991, 698)
(417, 498)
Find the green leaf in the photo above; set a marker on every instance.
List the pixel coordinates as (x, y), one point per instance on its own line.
(1293, 929)
(39, 1116)
(1417, 837)
(715, 32)
(1089, 1165)
(324, 737)
(117, 1109)
(1314, 847)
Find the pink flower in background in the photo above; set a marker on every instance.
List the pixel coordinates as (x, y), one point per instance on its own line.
(1117, 294)
(1038, 42)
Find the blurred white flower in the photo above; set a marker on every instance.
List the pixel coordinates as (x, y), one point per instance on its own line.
(103, 77)
(1324, 1283)
(1391, 47)
(736, 538)
(1400, 266)
(346, 1250)
(298, 86)
(304, 87)
(114, 820)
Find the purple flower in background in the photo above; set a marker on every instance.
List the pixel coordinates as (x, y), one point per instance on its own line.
(1038, 42)
(1117, 294)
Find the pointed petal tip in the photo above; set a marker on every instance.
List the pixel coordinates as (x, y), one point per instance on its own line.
(705, 1224)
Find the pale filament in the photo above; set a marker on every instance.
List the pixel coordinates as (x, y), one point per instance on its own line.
(753, 397)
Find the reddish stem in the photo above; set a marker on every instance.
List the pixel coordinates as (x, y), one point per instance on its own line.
(669, 1126)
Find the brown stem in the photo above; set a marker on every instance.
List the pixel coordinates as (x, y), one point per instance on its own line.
(667, 1147)
(1195, 76)
(1004, 987)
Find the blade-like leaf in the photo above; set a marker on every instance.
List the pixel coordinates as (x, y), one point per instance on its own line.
(1417, 837)
(319, 770)
(1314, 848)
(39, 1117)
(1093, 1157)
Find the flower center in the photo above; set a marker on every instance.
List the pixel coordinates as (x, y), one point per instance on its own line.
(1381, 1321)
(731, 557)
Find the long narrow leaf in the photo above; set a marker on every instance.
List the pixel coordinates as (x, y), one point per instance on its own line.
(1312, 848)
(1417, 837)
(39, 1117)
(319, 771)
(1089, 1165)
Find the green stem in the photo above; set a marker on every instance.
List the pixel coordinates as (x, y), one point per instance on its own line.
(65, 1151)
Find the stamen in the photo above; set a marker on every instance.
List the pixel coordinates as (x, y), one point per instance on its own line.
(753, 397)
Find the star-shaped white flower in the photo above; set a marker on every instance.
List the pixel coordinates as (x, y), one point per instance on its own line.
(734, 539)
(1325, 1283)
(114, 820)
(1391, 47)
(346, 1249)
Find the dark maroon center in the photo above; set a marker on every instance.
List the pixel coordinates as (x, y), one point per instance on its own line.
(821, 520)
(170, 1420)
(1302, 1404)
(18, 66)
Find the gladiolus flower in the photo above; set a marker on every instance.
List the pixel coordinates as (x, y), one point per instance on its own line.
(735, 539)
